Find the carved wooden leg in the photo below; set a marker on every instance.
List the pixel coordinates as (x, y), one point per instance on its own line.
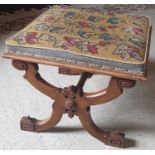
(114, 89)
(107, 137)
(32, 75)
(32, 124)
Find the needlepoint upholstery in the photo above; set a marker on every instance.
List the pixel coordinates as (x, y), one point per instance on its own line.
(86, 37)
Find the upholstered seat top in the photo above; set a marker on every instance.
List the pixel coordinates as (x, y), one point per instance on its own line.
(85, 38)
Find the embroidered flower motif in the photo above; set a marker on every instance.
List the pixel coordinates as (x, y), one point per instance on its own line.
(48, 19)
(58, 29)
(140, 20)
(100, 28)
(137, 42)
(84, 24)
(127, 52)
(139, 24)
(70, 14)
(112, 27)
(92, 18)
(134, 30)
(112, 20)
(83, 34)
(72, 41)
(61, 44)
(26, 37)
(107, 36)
(105, 43)
(88, 47)
(41, 27)
(20, 38)
(31, 37)
(46, 37)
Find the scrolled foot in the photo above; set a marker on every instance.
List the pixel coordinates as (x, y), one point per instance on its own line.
(28, 123)
(116, 139)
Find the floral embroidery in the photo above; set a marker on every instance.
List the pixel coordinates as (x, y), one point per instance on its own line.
(127, 52)
(92, 18)
(58, 29)
(107, 36)
(26, 37)
(41, 27)
(46, 37)
(113, 20)
(88, 47)
(105, 43)
(61, 44)
(83, 34)
(137, 42)
(112, 27)
(47, 19)
(84, 24)
(70, 14)
(88, 32)
(72, 41)
(100, 28)
(134, 30)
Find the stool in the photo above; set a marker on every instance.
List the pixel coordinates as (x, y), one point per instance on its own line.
(85, 42)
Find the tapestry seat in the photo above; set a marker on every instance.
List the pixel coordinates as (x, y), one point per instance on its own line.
(86, 39)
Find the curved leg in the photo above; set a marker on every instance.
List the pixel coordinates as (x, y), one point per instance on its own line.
(32, 75)
(32, 124)
(107, 137)
(114, 90)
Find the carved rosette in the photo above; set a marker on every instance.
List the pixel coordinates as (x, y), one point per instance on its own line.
(70, 94)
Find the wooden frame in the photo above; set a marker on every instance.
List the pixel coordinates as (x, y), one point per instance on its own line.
(73, 100)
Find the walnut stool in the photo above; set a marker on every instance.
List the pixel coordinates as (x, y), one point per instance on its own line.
(86, 42)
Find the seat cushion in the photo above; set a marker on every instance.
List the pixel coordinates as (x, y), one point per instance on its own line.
(86, 38)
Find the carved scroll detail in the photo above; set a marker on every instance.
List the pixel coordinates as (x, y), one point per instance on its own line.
(20, 65)
(124, 83)
(32, 75)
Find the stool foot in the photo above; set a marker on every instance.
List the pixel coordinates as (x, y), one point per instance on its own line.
(109, 138)
(27, 123)
(31, 124)
(116, 139)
